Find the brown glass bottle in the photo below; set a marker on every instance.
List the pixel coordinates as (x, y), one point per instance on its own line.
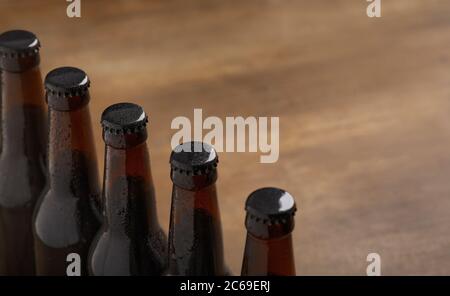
(269, 223)
(195, 236)
(65, 219)
(130, 241)
(22, 159)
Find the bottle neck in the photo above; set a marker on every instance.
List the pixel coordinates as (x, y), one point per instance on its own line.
(72, 158)
(195, 237)
(23, 113)
(268, 257)
(128, 191)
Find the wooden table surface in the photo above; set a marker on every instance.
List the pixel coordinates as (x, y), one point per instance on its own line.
(363, 103)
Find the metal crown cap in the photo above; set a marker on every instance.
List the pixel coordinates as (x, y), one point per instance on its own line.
(270, 206)
(18, 43)
(124, 118)
(19, 51)
(67, 82)
(194, 158)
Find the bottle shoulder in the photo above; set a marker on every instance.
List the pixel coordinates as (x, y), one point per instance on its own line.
(115, 253)
(110, 254)
(61, 222)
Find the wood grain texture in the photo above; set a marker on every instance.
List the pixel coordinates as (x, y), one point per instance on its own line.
(363, 104)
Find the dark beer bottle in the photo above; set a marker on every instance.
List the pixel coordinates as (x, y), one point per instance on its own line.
(269, 223)
(130, 241)
(65, 219)
(195, 236)
(22, 158)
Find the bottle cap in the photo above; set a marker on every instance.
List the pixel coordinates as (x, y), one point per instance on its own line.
(67, 88)
(270, 212)
(193, 165)
(124, 125)
(19, 50)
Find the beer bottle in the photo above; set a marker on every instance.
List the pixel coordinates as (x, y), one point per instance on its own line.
(130, 241)
(195, 236)
(269, 223)
(22, 158)
(65, 219)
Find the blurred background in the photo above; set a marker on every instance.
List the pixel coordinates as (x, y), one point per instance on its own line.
(363, 103)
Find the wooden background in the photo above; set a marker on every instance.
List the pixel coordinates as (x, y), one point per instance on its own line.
(363, 103)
